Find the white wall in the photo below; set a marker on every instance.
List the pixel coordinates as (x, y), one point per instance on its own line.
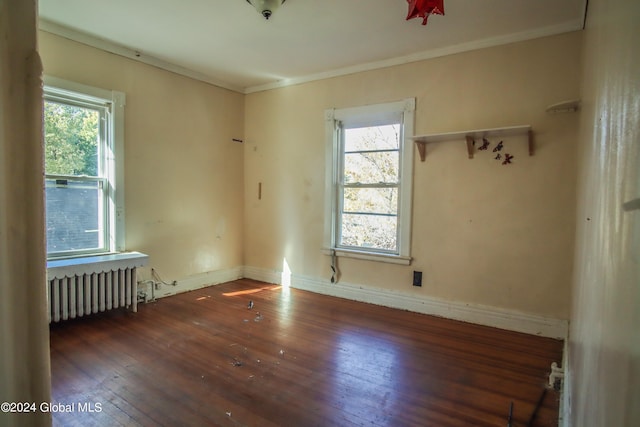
(604, 367)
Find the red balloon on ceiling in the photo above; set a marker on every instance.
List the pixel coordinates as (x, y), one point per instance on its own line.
(424, 8)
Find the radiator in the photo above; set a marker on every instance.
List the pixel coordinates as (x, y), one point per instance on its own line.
(83, 286)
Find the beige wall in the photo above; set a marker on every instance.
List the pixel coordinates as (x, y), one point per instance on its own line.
(483, 233)
(487, 234)
(24, 333)
(604, 340)
(183, 173)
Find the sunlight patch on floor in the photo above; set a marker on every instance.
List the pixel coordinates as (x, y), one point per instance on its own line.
(252, 291)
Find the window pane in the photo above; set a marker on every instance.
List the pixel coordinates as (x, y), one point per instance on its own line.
(372, 138)
(73, 214)
(371, 168)
(371, 200)
(71, 136)
(369, 231)
(369, 214)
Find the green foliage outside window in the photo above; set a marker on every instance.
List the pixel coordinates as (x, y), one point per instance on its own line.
(71, 139)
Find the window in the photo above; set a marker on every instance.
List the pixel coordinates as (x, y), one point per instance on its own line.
(83, 138)
(369, 176)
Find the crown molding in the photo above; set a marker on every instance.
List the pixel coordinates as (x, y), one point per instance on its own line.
(139, 56)
(130, 53)
(421, 56)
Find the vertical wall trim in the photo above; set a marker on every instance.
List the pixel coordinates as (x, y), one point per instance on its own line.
(24, 334)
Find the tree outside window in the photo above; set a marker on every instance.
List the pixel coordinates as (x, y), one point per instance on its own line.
(370, 187)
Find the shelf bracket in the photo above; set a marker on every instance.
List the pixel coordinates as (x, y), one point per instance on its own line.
(532, 145)
(422, 149)
(470, 147)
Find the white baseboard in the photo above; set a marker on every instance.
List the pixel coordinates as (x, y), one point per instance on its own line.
(199, 281)
(472, 313)
(262, 274)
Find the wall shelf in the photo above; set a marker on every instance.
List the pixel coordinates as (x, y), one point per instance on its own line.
(473, 135)
(570, 106)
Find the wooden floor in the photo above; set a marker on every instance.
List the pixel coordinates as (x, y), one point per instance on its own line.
(296, 359)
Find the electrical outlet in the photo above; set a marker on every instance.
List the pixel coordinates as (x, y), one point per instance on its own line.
(417, 278)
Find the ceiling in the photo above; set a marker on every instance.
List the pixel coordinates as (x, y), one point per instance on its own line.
(228, 43)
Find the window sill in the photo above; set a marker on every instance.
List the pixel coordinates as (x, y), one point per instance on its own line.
(369, 256)
(68, 267)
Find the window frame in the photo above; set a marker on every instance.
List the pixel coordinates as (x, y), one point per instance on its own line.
(111, 157)
(370, 115)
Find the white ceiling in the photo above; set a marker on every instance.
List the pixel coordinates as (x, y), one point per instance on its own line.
(226, 42)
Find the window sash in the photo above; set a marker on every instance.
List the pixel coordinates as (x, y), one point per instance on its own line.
(342, 213)
(103, 129)
(100, 212)
(110, 162)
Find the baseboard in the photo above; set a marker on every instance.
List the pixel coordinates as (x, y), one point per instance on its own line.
(199, 281)
(472, 313)
(262, 274)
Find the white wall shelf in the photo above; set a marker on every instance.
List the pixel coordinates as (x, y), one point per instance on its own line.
(473, 135)
(570, 106)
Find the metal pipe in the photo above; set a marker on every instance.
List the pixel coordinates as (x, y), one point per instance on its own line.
(535, 410)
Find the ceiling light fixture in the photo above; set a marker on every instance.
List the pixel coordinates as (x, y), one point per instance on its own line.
(266, 7)
(424, 8)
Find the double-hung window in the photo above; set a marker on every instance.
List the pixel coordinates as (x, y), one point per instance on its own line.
(369, 176)
(83, 132)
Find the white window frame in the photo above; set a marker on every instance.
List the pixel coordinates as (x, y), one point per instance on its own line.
(370, 115)
(113, 157)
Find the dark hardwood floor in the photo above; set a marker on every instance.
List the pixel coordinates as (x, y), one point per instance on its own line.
(295, 359)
